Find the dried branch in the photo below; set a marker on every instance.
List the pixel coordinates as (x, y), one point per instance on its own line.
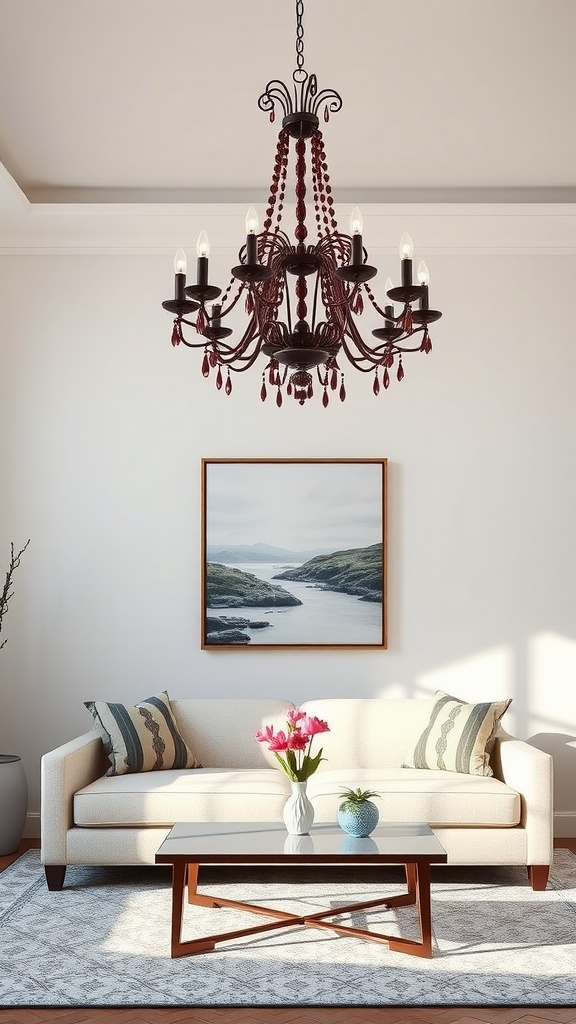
(7, 592)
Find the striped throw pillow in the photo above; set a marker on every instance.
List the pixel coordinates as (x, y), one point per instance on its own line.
(142, 738)
(459, 737)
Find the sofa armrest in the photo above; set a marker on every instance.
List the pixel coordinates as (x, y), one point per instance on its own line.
(63, 772)
(528, 770)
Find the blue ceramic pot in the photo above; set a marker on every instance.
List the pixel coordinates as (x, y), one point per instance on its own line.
(360, 820)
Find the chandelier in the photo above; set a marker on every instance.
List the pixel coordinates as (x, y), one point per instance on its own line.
(302, 299)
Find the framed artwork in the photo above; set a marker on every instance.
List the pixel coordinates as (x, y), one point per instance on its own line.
(293, 553)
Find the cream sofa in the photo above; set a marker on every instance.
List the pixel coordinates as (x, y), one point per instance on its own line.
(89, 818)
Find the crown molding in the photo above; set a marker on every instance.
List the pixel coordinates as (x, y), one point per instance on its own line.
(152, 229)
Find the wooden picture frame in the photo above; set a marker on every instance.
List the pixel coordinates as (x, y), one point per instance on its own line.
(294, 553)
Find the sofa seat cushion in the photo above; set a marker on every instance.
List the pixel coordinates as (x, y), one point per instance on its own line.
(443, 799)
(162, 798)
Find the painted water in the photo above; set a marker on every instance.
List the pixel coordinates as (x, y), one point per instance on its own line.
(324, 617)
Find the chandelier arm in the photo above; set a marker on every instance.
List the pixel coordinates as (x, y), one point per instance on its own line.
(231, 352)
(330, 99)
(239, 354)
(356, 362)
(233, 301)
(315, 303)
(393, 319)
(371, 355)
(193, 344)
(275, 92)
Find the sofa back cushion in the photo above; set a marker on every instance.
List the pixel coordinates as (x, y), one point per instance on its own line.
(221, 732)
(368, 733)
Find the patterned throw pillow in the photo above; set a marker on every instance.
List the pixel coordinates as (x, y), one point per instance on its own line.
(142, 738)
(458, 737)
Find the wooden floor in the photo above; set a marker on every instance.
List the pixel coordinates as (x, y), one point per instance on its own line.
(291, 1015)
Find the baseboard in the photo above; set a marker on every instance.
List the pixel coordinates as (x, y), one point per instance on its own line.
(564, 824)
(32, 826)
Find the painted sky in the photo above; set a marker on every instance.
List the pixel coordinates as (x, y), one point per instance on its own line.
(296, 506)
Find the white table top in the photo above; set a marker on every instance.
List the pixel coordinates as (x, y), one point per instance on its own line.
(268, 842)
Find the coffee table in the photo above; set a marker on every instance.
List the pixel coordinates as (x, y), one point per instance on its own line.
(190, 844)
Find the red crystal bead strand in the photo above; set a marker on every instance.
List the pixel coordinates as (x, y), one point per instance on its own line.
(322, 219)
(177, 333)
(278, 186)
(372, 299)
(325, 189)
(407, 324)
(326, 198)
(301, 229)
(325, 398)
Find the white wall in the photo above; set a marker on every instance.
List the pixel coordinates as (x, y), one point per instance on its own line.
(102, 428)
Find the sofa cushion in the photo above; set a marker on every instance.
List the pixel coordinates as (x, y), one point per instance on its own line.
(440, 798)
(141, 738)
(458, 737)
(222, 731)
(368, 732)
(163, 798)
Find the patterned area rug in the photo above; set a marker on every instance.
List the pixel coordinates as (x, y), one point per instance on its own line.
(104, 940)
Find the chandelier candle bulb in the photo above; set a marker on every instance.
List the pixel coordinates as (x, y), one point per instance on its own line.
(180, 262)
(423, 281)
(356, 228)
(406, 253)
(180, 268)
(251, 237)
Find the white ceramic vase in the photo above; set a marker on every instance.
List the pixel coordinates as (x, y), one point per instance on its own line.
(298, 811)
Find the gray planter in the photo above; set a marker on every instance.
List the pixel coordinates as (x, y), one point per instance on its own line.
(13, 802)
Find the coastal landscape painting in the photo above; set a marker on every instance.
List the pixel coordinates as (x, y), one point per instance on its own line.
(293, 553)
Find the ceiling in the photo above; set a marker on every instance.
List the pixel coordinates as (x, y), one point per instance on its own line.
(149, 101)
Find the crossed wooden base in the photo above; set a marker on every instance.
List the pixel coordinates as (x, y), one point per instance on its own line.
(418, 882)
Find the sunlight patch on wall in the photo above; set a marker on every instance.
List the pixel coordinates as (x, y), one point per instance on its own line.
(485, 676)
(551, 683)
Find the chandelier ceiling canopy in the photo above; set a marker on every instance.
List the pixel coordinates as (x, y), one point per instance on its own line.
(302, 298)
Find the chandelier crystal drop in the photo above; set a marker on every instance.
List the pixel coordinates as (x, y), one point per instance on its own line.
(302, 298)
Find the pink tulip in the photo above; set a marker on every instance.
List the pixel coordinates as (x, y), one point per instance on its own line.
(265, 735)
(294, 715)
(312, 726)
(297, 740)
(279, 741)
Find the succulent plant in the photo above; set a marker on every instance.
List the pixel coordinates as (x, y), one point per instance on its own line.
(355, 797)
(357, 815)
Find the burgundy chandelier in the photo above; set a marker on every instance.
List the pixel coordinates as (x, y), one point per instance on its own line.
(302, 298)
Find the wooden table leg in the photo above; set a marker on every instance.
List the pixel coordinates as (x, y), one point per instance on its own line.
(424, 908)
(193, 894)
(418, 875)
(178, 883)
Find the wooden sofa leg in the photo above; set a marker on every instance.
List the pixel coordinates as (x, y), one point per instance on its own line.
(538, 876)
(55, 876)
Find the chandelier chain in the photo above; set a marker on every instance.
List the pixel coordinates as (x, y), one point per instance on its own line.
(299, 34)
